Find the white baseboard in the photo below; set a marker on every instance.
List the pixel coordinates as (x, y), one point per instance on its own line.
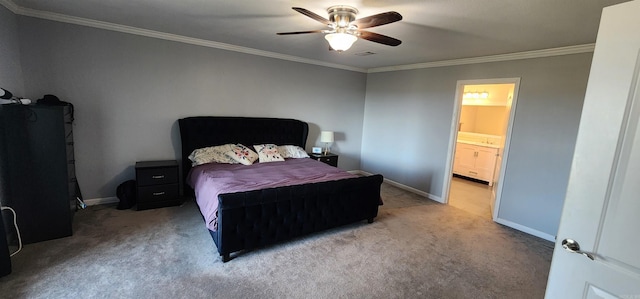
(522, 228)
(525, 229)
(101, 201)
(404, 187)
(504, 222)
(113, 199)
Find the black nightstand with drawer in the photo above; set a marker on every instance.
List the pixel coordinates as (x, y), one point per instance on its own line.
(329, 158)
(157, 184)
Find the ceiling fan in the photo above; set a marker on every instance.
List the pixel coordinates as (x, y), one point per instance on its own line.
(344, 29)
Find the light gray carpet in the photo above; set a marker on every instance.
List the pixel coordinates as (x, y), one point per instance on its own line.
(416, 248)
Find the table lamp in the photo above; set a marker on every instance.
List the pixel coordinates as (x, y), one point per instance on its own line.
(326, 137)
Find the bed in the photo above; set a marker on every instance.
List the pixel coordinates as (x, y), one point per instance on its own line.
(255, 218)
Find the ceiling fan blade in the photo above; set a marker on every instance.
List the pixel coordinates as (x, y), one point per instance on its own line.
(379, 38)
(300, 32)
(377, 20)
(312, 15)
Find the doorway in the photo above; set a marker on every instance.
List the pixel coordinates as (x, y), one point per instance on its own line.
(481, 126)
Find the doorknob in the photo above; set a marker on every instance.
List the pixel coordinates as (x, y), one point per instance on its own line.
(573, 246)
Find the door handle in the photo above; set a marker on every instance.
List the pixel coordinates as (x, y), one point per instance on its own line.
(573, 247)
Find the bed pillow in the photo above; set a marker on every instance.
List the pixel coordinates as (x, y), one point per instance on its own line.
(242, 154)
(268, 153)
(292, 151)
(212, 154)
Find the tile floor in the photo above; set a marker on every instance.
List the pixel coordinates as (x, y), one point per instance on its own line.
(470, 196)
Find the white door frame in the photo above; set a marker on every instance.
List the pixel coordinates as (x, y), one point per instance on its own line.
(455, 119)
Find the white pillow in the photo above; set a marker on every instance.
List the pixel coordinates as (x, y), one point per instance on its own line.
(268, 153)
(212, 154)
(292, 151)
(242, 154)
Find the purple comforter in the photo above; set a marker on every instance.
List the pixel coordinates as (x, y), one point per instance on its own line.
(211, 180)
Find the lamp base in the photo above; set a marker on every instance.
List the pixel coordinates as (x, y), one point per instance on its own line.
(326, 149)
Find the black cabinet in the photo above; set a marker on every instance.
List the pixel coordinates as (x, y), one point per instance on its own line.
(157, 184)
(328, 158)
(5, 260)
(38, 169)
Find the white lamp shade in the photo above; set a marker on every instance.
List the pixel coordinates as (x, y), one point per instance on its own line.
(340, 41)
(326, 136)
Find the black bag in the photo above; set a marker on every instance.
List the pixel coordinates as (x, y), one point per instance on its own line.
(49, 99)
(52, 100)
(127, 195)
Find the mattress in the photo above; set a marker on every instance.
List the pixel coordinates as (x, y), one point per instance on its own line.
(213, 179)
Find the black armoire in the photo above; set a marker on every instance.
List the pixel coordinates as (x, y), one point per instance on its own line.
(38, 169)
(5, 259)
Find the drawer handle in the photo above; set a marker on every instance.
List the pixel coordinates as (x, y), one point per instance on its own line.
(157, 177)
(473, 172)
(158, 193)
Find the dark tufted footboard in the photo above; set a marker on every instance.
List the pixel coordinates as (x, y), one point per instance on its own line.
(253, 219)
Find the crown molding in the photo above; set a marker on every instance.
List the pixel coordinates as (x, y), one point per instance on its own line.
(173, 37)
(10, 5)
(493, 58)
(16, 9)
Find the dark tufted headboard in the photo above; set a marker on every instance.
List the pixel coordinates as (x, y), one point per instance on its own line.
(203, 131)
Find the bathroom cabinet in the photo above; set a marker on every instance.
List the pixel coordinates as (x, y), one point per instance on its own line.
(475, 161)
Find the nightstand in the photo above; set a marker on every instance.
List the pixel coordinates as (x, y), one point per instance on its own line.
(329, 158)
(157, 184)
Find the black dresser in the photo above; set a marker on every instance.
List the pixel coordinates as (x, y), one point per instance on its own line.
(38, 169)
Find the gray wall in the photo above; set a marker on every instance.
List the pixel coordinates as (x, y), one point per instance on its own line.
(408, 116)
(10, 69)
(128, 92)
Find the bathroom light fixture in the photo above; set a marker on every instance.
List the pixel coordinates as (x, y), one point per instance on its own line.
(340, 41)
(326, 137)
(476, 95)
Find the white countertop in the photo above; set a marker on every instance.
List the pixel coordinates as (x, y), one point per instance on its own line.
(479, 143)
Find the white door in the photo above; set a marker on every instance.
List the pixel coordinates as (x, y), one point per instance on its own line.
(602, 205)
(496, 176)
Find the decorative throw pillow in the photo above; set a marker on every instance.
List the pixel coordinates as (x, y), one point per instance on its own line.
(212, 154)
(268, 153)
(242, 154)
(292, 151)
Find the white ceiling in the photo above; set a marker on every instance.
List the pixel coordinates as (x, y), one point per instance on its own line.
(431, 30)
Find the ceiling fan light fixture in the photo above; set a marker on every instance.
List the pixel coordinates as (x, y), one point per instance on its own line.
(343, 28)
(342, 15)
(340, 41)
